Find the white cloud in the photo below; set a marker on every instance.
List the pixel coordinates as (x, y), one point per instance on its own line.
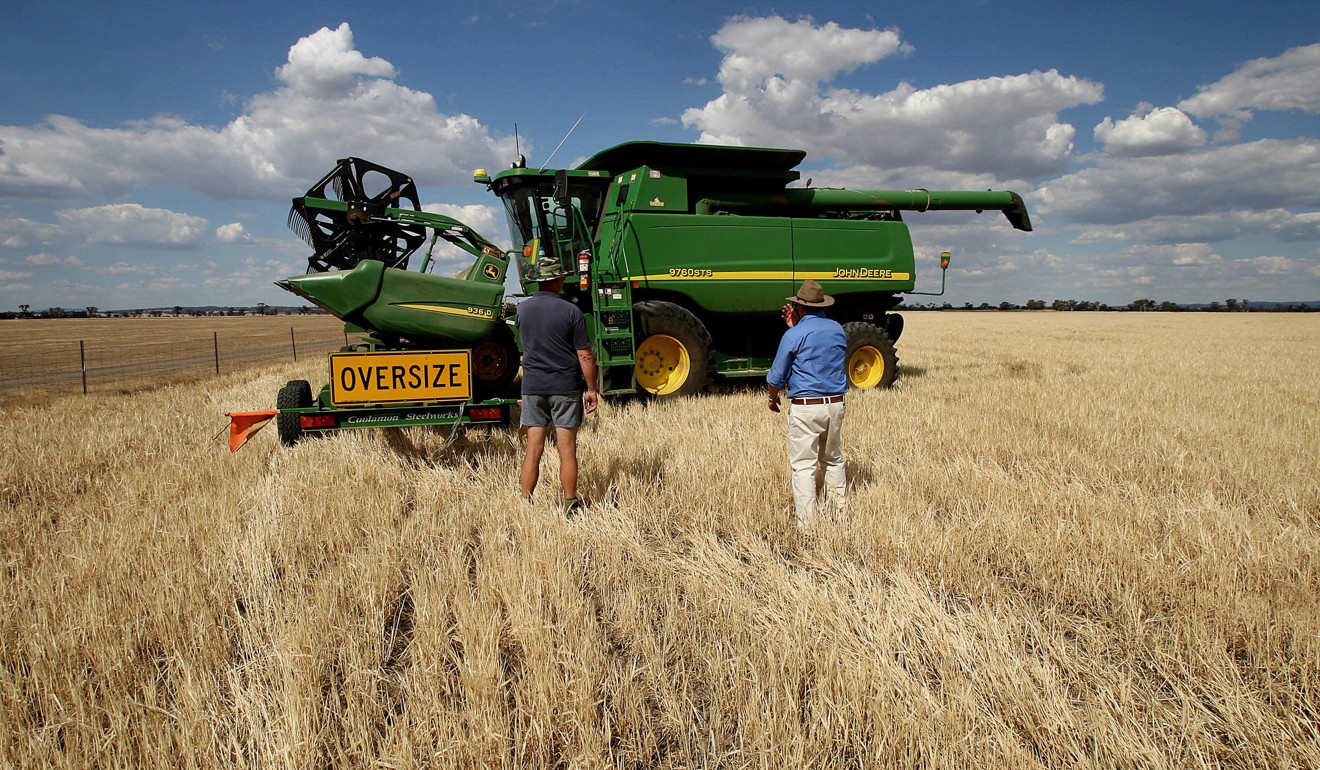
(761, 49)
(234, 232)
(333, 101)
(50, 259)
(1263, 175)
(1271, 265)
(134, 225)
(325, 65)
(11, 275)
(774, 76)
(1150, 131)
(1284, 82)
(123, 268)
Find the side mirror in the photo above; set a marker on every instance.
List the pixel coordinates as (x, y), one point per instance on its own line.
(561, 193)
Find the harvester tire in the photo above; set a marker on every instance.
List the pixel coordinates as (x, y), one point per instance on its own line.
(494, 364)
(675, 355)
(296, 394)
(871, 361)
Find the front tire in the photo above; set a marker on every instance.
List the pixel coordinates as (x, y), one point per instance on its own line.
(870, 361)
(296, 394)
(675, 355)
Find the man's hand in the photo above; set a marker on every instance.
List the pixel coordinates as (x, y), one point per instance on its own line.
(790, 317)
(590, 399)
(773, 392)
(774, 405)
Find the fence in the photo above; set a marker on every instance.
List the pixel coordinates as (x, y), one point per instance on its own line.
(70, 366)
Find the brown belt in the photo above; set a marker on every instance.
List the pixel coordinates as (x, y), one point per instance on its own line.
(817, 400)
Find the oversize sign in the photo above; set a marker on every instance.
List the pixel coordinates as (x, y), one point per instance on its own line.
(397, 377)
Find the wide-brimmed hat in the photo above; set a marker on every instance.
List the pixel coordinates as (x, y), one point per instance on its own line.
(811, 295)
(547, 270)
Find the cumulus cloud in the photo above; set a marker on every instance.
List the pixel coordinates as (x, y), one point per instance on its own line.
(1207, 181)
(333, 101)
(325, 65)
(775, 75)
(234, 232)
(1278, 224)
(1150, 131)
(1284, 82)
(50, 259)
(133, 225)
(1272, 265)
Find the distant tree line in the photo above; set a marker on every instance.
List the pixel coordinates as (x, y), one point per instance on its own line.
(178, 311)
(1139, 305)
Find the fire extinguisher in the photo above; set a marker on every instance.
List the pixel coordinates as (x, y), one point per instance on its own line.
(584, 267)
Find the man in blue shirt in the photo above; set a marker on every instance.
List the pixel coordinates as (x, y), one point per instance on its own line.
(810, 365)
(556, 360)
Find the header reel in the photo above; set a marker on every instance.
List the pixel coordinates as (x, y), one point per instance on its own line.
(342, 217)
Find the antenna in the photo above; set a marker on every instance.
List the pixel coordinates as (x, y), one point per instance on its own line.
(518, 160)
(561, 141)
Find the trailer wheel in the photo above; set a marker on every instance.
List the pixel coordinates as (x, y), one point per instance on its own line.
(494, 364)
(296, 394)
(675, 356)
(871, 360)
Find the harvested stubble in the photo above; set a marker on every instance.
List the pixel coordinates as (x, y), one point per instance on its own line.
(1075, 541)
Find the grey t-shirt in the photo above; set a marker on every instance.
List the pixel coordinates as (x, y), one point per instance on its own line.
(553, 331)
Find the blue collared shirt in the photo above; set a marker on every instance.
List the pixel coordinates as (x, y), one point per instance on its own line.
(810, 358)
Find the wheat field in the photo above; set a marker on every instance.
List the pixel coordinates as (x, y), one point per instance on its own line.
(1075, 540)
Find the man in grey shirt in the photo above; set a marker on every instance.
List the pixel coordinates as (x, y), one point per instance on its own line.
(556, 359)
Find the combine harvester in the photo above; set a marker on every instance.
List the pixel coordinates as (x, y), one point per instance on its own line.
(681, 256)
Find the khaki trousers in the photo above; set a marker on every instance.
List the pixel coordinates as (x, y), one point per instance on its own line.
(815, 448)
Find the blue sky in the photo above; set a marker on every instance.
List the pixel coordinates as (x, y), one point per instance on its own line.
(148, 151)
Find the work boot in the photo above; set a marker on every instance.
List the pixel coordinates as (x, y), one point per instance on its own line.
(571, 506)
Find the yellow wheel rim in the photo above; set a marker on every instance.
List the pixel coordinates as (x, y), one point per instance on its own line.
(866, 367)
(663, 365)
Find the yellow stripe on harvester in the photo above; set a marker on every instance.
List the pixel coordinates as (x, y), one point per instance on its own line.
(471, 311)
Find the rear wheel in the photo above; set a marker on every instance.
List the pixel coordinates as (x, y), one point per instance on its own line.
(494, 364)
(871, 360)
(674, 356)
(296, 394)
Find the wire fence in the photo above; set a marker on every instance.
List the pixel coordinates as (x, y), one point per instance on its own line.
(86, 366)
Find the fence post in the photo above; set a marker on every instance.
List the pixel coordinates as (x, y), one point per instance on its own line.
(215, 341)
(294, 342)
(82, 361)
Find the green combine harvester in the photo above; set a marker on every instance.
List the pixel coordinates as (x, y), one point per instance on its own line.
(682, 256)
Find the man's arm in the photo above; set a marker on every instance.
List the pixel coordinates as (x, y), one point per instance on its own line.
(587, 360)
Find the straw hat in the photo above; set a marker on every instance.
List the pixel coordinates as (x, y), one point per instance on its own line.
(547, 270)
(811, 295)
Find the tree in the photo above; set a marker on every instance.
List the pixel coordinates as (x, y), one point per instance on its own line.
(1231, 305)
(1035, 304)
(178, 310)
(92, 310)
(1143, 304)
(24, 309)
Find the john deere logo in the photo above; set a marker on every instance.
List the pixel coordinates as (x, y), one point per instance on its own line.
(657, 202)
(491, 272)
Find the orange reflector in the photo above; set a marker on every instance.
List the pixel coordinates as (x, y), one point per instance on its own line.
(485, 413)
(244, 425)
